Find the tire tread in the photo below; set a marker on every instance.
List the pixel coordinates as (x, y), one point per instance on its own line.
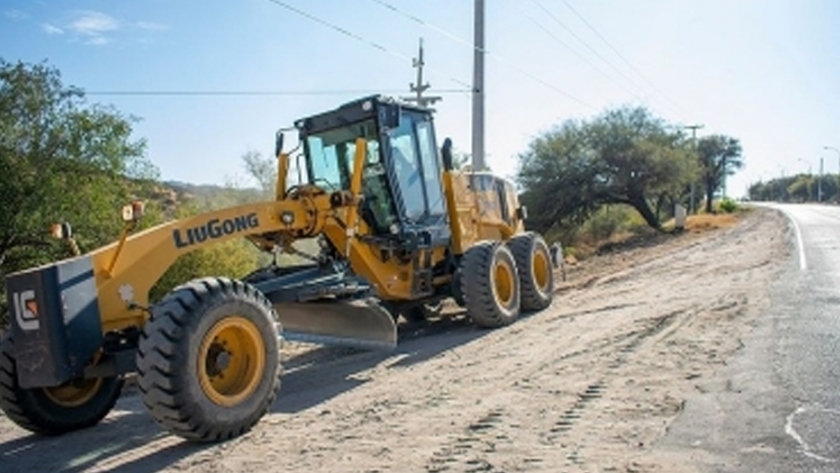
(476, 280)
(161, 354)
(523, 246)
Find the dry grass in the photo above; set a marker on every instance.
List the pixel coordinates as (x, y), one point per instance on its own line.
(626, 240)
(706, 222)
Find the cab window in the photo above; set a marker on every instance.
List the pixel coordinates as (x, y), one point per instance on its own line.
(331, 154)
(408, 170)
(431, 168)
(416, 167)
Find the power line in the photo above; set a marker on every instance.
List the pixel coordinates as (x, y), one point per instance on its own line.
(584, 59)
(495, 56)
(587, 45)
(420, 21)
(545, 83)
(621, 56)
(254, 93)
(359, 38)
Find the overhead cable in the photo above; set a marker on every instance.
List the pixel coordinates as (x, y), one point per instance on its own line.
(357, 37)
(254, 92)
(585, 44)
(621, 56)
(585, 59)
(495, 56)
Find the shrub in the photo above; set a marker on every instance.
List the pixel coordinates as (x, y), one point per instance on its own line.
(608, 221)
(728, 205)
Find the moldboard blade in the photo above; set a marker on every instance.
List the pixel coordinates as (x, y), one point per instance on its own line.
(356, 323)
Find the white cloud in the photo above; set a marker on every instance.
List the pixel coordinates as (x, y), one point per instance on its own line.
(51, 29)
(98, 41)
(151, 26)
(97, 28)
(16, 15)
(93, 23)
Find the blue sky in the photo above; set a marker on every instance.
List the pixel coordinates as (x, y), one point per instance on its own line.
(764, 71)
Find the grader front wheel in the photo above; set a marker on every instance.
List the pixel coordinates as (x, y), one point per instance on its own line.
(208, 360)
(51, 411)
(490, 285)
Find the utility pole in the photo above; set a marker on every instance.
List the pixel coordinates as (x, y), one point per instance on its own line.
(478, 89)
(420, 87)
(819, 183)
(693, 129)
(832, 148)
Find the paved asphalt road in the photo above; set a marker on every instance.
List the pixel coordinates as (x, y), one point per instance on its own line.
(776, 407)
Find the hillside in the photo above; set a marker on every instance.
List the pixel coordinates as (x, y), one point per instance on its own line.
(210, 195)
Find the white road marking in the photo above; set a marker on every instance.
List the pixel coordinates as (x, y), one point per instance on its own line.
(795, 435)
(803, 264)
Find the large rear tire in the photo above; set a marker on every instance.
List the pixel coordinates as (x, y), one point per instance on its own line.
(74, 405)
(536, 274)
(208, 359)
(490, 285)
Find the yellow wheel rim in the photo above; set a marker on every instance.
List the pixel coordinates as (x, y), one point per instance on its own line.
(542, 270)
(503, 282)
(231, 361)
(75, 393)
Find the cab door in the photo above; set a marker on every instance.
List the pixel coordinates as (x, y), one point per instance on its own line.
(416, 170)
(416, 173)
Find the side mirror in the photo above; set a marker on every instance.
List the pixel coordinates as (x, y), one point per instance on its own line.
(62, 231)
(522, 213)
(278, 143)
(133, 211)
(446, 154)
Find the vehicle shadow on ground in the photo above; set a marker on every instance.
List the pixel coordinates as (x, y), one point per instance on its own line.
(128, 441)
(317, 376)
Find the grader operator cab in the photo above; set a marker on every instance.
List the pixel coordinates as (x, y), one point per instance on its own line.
(398, 229)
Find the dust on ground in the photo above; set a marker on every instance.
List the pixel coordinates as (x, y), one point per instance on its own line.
(589, 384)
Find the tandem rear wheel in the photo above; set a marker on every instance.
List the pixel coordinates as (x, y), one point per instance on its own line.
(536, 272)
(496, 281)
(489, 283)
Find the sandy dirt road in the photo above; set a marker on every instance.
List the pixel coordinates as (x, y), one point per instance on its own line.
(589, 384)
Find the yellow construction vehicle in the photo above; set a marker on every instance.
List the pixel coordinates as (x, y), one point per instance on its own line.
(399, 230)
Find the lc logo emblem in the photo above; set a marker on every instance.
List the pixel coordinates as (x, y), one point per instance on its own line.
(26, 310)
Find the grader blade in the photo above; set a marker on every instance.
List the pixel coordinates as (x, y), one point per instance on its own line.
(357, 323)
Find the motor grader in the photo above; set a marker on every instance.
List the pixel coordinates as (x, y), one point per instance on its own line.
(399, 230)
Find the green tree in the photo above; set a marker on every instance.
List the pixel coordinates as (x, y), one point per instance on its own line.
(61, 160)
(461, 160)
(801, 189)
(262, 170)
(719, 156)
(624, 156)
